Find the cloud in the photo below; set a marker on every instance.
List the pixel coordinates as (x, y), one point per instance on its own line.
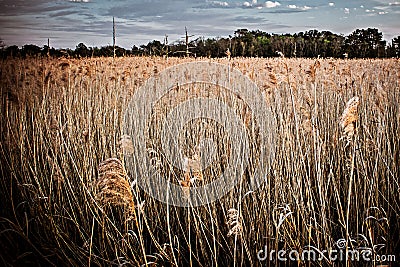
(218, 4)
(386, 8)
(270, 4)
(34, 7)
(250, 19)
(252, 4)
(63, 13)
(282, 11)
(140, 21)
(303, 8)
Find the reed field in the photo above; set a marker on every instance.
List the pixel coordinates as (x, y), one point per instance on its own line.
(67, 197)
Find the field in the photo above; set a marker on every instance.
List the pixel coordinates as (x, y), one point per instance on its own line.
(68, 197)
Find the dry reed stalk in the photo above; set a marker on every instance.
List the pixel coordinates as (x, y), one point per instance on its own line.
(350, 116)
(273, 79)
(270, 83)
(296, 176)
(192, 172)
(126, 145)
(234, 221)
(228, 54)
(306, 124)
(313, 71)
(192, 167)
(112, 186)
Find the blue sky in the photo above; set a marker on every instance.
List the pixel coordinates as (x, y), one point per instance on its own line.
(69, 22)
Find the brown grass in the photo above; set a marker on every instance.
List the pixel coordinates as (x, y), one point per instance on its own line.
(112, 186)
(350, 116)
(64, 183)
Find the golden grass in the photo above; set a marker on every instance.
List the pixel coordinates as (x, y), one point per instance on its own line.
(112, 186)
(63, 170)
(350, 116)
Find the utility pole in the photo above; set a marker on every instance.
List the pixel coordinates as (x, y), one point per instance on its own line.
(113, 37)
(166, 45)
(187, 41)
(186, 37)
(48, 47)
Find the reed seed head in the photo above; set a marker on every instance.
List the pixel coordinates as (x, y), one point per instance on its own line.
(350, 116)
(112, 186)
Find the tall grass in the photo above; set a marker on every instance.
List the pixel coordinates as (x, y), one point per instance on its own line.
(60, 119)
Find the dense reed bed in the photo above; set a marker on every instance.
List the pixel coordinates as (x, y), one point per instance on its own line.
(67, 198)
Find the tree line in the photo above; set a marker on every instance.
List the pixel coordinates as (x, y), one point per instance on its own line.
(361, 43)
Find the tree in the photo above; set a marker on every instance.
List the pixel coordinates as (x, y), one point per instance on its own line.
(120, 51)
(155, 47)
(11, 51)
(135, 50)
(2, 44)
(106, 51)
(362, 43)
(365, 43)
(81, 50)
(31, 50)
(396, 46)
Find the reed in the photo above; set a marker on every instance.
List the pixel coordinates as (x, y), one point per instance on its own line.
(67, 198)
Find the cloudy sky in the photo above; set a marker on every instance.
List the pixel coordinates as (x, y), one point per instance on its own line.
(69, 22)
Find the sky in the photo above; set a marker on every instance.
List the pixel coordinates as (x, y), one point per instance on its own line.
(69, 22)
